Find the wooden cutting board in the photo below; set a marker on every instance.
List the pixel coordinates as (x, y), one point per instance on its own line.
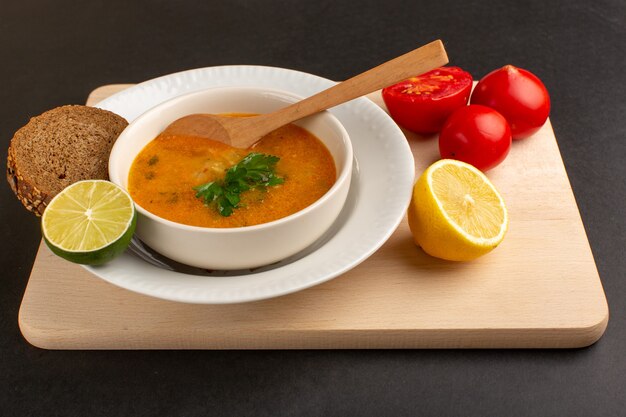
(539, 289)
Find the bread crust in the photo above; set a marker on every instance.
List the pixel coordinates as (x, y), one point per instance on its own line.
(57, 148)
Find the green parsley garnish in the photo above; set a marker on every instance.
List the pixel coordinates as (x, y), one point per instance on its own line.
(256, 170)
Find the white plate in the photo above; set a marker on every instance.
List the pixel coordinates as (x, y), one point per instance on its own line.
(381, 188)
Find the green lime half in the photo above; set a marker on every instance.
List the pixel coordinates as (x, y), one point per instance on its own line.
(89, 222)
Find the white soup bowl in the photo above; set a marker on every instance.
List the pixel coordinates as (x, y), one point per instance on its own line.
(238, 247)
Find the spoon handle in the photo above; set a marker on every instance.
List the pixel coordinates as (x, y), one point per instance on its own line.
(418, 61)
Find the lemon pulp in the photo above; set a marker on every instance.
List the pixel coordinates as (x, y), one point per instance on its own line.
(456, 213)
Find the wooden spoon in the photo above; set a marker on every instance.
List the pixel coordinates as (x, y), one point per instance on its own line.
(243, 132)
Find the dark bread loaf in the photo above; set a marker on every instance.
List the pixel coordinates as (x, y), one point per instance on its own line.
(59, 147)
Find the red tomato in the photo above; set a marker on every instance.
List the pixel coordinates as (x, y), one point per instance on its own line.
(477, 135)
(518, 95)
(423, 103)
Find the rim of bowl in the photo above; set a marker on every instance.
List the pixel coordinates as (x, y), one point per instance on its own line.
(345, 174)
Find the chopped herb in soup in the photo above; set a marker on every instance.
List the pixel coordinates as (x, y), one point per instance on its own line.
(253, 172)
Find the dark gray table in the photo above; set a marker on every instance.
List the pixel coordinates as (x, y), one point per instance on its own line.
(54, 53)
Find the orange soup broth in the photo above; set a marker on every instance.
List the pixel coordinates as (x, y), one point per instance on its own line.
(163, 175)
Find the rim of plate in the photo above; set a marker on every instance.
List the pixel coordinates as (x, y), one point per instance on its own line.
(381, 188)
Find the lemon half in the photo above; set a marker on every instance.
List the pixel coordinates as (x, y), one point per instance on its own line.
(456, 213)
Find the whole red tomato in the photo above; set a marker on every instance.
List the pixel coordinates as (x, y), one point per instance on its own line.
(422, 104)
(477, 135)
(518, 95)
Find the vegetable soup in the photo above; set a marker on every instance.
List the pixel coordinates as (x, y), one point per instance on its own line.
(166, 174)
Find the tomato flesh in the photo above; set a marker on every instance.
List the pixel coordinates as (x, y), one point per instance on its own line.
(518, 95)
(477, 135)
(422, 104)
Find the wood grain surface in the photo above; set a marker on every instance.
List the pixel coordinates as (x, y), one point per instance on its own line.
(539, 289)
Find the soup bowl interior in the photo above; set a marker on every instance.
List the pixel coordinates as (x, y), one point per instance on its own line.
(238, 247)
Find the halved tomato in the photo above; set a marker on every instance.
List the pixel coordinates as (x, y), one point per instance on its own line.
(423, 103)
